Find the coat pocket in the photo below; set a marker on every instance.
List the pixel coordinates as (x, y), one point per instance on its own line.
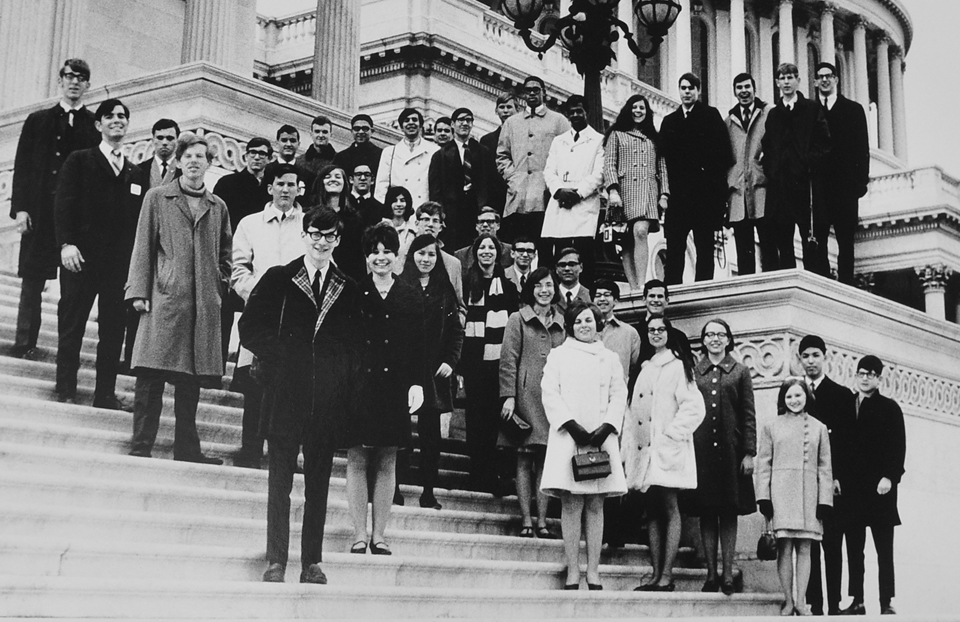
(671, 454)
(164, 274)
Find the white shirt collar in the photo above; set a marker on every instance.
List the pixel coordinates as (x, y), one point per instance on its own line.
(107, 150)
(573, 292)
(282, 161)
(816, 383)
(67, 108)
(538, 111)
(789, 103)
(831, 100)
(272, 212)
(311, 271)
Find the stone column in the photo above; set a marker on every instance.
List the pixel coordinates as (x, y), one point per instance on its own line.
(787, 49)
(26, 30)
(207, 32)
(336, 54)
(802, 36)
(828, 50)
(681, 54)
(765, 86)
(626, 61)
(884, 115)
(860, 63)
(67, 38)
(934, 280)
(738, 38)
(899, 107)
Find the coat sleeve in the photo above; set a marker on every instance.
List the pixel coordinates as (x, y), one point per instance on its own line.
(67, 202)
(551, 176)
(383, 174)
(26, 187)
(764, 466)
(505, 162)
(617, 401)
(824, 469)
(861, 138)
(226, 249)
(143, 260)
(662, 178)
(451, 341)
(690, 410)
(894, 454)
(510, 352)
(748, 414)
(242, 278)
(592, 182)
(435, 177)
(553, 404)
(610, 156)
(259, 324)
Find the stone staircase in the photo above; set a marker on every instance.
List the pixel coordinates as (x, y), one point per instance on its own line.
(87, 531)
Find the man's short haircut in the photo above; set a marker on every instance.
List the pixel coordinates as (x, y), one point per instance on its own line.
(165, 124)
(406, 112)
(444, 121)
(608, 285)
(825, 65)
(526, 292)
(563, 252)
(431, 208)
(459, 112)
(361, 117)
(812, 341)
(692, 78)
(524, 239)
(486, 209)
(321, 120)
(575, 309)
(508, 96)
(870, 363)
(380, 233)
(322, 218)
(653, 283)
(286, 128)
(77, 66)
(788, 69)
(259, 141)
(278, 171)
(189, 139)
(107, 108)
(743, 77)
(538, 79)
(576, 100)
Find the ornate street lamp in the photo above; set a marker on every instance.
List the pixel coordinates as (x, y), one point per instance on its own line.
(589, 32)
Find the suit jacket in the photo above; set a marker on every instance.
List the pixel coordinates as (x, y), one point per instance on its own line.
(44, 145)
(832, 408)
(97, 210)
(582, 294)
(147, 167)
(496, 186)
(313, 159)
(446, 181)
(309, 352)
(746, 181)
(846, 170)
(698, 155)
(243, 194)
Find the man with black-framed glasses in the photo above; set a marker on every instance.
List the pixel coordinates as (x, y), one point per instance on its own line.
(523, 253)
(361, 195)
(488, 223)
(362, 151)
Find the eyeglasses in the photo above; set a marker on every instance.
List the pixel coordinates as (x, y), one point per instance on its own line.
(568, 264)
(867, 374)
(361, 128)
(714, 335)
(824, 76)
(524, 251)
(657, 331)
(487, 222)
(363, 175)
(603, 294)
(316, 236)
(73, 77)
(257, 153)
(533, 89)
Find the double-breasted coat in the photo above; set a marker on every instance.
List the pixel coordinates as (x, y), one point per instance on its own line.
(794, 473)
(442, 342)
(527, 342)
(727, 434)
(632, 164)
(583, 382)
(658, 433)
(181, 264)
(402, 166)
(746, 181)
(576, 164)
(525, 140)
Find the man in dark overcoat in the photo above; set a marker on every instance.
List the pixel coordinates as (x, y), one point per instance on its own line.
(302, 321)
(846, 174)
(696, 148)
(507, 105)
(831, 407)
(795, 143)
(95, 215)
(869, 479)
(48, 137)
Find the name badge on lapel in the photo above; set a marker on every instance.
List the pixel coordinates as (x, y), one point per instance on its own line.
(135, 189)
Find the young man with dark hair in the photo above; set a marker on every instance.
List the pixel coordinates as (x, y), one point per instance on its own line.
(47, 138)
(407, 163)
(361, 195)
(162, 167)
(656, 298)
(442, 131)
(288, 145)
(362, 150)
(488, 223)
(320, 152)
(523, 252)
(568, 267)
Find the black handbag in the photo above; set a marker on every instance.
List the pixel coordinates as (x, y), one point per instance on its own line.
(767, 545)
(515, 429)
(590, 465)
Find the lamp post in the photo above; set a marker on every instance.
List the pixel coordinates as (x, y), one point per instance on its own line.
(589, 32)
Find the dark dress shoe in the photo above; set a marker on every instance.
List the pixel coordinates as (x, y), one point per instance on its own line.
(20, 352)
(313, 574)
(274, 573)
(856, 608)
(887, 610)
(727, 587)
(594, 587)
(572, 586)
(199, 459)
(67, 397)
(139, 453)
(109, 402)
(427, 500)
(710, 585)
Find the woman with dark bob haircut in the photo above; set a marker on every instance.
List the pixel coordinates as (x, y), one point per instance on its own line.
(390, 386)
(531, 333)
(725, 446)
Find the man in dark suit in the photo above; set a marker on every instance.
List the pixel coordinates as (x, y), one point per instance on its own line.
(656, 298)
(320, 152)
(846, 174)
(459, 178)
(869, 480)
(697, 150)
(569, 266)
(302, 321)
(507, 105)
(795, 143)
(361, 196)
(831, 407)
(95, 213)
(288, 145)
(362, 150)
(48, 137)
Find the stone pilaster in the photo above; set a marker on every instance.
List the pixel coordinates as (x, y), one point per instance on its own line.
(787, 48)
(884, 106)
(860, 63)
(897, 69)
(934, 280)
(828, 50)
(67, 38)
(738, 39)
(207, 32)
(26, 30)
(336, 54)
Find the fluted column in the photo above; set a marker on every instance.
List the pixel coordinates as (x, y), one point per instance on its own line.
(828, 50)
(26, 30)
(206, 32)
(681, 54)
(787, 50)
(934, 280)
(765, 86)
(884, 113)
(336, 54)
(67, 38)
(738, 38)
(860, 63)
(899, 106)
(626, 60)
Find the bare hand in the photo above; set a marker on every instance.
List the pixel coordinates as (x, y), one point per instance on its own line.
(884, 486)
(836, 488)
(23, 223)
(141, 305)
(444, 371)
(71, 258)
(664, 201)
(506, 411)
(415, 398)
(746, 467)
(613, 198)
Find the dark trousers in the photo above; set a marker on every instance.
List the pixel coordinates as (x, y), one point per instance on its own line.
(227, 316)
(832, 545)
(780, 233)
(482, 388)
(28, 313)
(588, 259)
(677, 226)
(317, 465)
(251, 444)
(844, 228)
(148, 404)
(428, 431)
(77, 293)
(856, 534)
(530, 225)
(743, 235)
(133, 323)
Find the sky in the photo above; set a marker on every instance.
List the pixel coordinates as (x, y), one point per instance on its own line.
(930, 81)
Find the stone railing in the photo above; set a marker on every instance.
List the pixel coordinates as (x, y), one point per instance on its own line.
(911, 191)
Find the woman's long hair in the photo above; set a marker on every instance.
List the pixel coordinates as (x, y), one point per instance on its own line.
(474, 279)
(624, 121)
(318, 194)
(678, 347)
(411, 273)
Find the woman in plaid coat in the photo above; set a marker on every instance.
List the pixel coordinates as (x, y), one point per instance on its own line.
(635, 176)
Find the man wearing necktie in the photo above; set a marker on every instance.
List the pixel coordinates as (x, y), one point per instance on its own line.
(569, 267)
(795, 145)
(48, 137)
(96, 209)
(162, 167)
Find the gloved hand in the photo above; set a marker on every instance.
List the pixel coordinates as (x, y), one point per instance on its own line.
(600, 434)
(824, 512)
(580, 436)
(766, 508)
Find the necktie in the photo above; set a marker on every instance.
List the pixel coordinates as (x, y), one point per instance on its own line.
(467, 166)
(116, 161)
(523, 281)
(576, 136)
(569, 298)
(316, 287)
(825, 106)
(163, 170)
(745, 113)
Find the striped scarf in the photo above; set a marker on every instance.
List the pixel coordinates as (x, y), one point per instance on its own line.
(486, 321)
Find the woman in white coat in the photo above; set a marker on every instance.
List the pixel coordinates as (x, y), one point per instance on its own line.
(658, 450)
(584, 396)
